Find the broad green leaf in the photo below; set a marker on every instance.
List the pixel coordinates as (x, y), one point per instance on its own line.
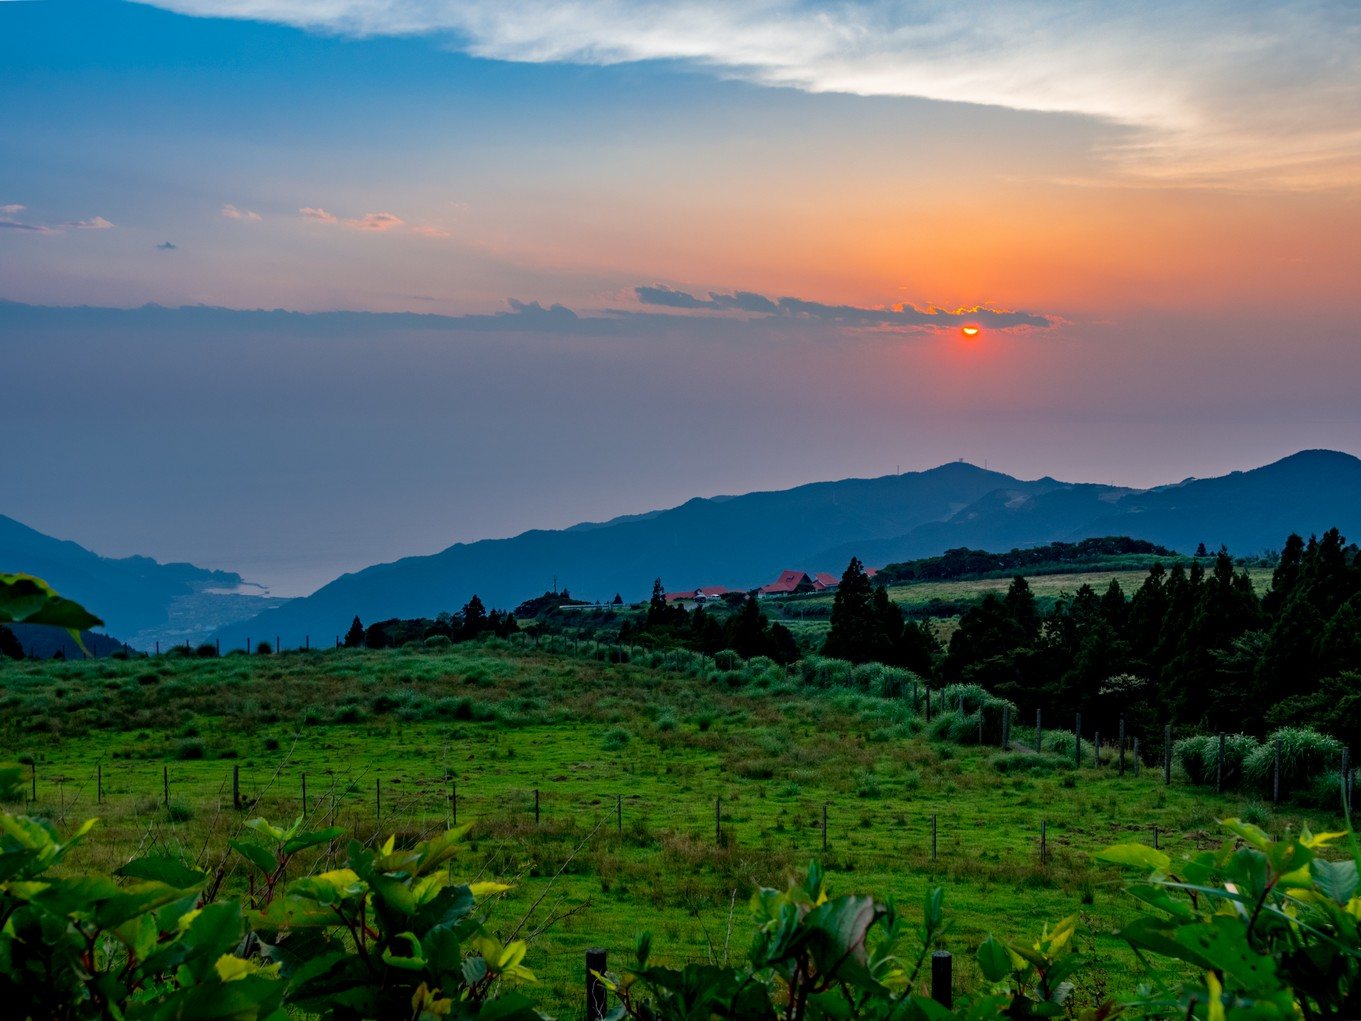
(258, 855)
(1136, 855)
(162, 868)
(25, 599)
(1336, 880)
(994, 960)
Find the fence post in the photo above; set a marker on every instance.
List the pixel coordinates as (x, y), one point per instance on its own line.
(595, 989)
(247, 645)
(1096, 749)
(1122, 746)
(1155, 836)
(824, 827)
(536, 806)
(1276, 772)
(1346, 771)
(1219, 766)
(236, 788)
(1135, 753)
(1006, 725)
(1039, 729)
(942, 979)
(619, 813)
(1077, 741)
(1167, 754)
(217, 644)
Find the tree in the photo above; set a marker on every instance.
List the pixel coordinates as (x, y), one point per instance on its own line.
(10, 646)
(618, 600)
(656, 606)
(354, 638)
(474, 616)
(861, 620)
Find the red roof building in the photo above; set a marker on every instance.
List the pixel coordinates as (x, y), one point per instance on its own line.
(789, 583)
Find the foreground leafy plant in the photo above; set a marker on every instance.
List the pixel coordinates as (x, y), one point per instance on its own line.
(816, 957)
(391, 935)
(1270, 926)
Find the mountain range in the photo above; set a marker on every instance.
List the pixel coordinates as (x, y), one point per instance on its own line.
(744, 541)
(737, 541)
(140, 600)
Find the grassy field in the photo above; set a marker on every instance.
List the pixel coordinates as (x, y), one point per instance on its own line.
(597, 742)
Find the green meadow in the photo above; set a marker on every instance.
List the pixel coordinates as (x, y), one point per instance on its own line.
(630, 763)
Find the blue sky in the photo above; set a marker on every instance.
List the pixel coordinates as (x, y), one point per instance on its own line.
(1153, 206)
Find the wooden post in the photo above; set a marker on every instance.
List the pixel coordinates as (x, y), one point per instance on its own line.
(928, 705)
(217, 644)
(307, 642)
(1096, 749)
(1077, 741)
(1006, 726)
(1276, 772)
(1044, 843)
(1167, 754)
(236, 788)
(1122, 746)
(942, 979)
(1155, 836)
(165, 782)
(277, 646)
(595, 989)
(824, 827)
(1136, 761)
(1219, 765)
(718, 822)
(1039, 729)
(536, 806)
(619, 813)
(933, 836)
(1346, 771)
(158, 646)
(980, 726)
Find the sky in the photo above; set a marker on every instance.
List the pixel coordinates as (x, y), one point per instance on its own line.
(553, 262)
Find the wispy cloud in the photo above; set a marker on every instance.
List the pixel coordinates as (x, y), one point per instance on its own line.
(900, 317)
(425, 230)
(1223, 90)
(316, 213)
(375, 221)
(93, 223)
(231, 212)
(9, 211)
(167, 246)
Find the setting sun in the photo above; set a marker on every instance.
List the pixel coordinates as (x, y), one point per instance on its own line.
(969, 331)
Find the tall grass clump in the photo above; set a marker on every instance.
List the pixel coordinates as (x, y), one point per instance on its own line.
(1199, 756)
(1305, 754)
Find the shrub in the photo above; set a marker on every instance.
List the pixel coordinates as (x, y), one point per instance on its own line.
(616, 739)
(438, 642)
(1199, 757)
(1304, 754)
(190, 749)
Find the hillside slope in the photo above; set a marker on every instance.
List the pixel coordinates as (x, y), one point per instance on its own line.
(742, 541)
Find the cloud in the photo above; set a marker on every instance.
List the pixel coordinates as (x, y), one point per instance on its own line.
(375, 221)
(8, 222)
(315, 213)
(425, 230)
(908, 317)
(167, 246)
(94, 223)
(1222, 90)
(230, 212)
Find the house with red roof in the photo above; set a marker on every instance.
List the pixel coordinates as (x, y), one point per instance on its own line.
(789, 583)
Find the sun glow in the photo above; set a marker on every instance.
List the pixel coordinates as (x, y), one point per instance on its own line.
(969, 331)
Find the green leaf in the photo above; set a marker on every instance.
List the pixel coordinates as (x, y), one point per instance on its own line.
(1336, 880)
(994, 960)
(259, 856)
(162, 868)
(305, 840)
(25, 599)
(1136, 855)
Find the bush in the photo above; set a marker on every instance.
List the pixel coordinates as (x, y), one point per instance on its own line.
(438, 642)
(190, 749)
(616, 739)
(1304, 755)
(1199, 757)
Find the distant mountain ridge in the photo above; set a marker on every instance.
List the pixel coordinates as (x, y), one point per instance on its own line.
(140, 600)
(744, 541)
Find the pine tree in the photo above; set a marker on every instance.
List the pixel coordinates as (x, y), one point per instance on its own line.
(354, 638)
